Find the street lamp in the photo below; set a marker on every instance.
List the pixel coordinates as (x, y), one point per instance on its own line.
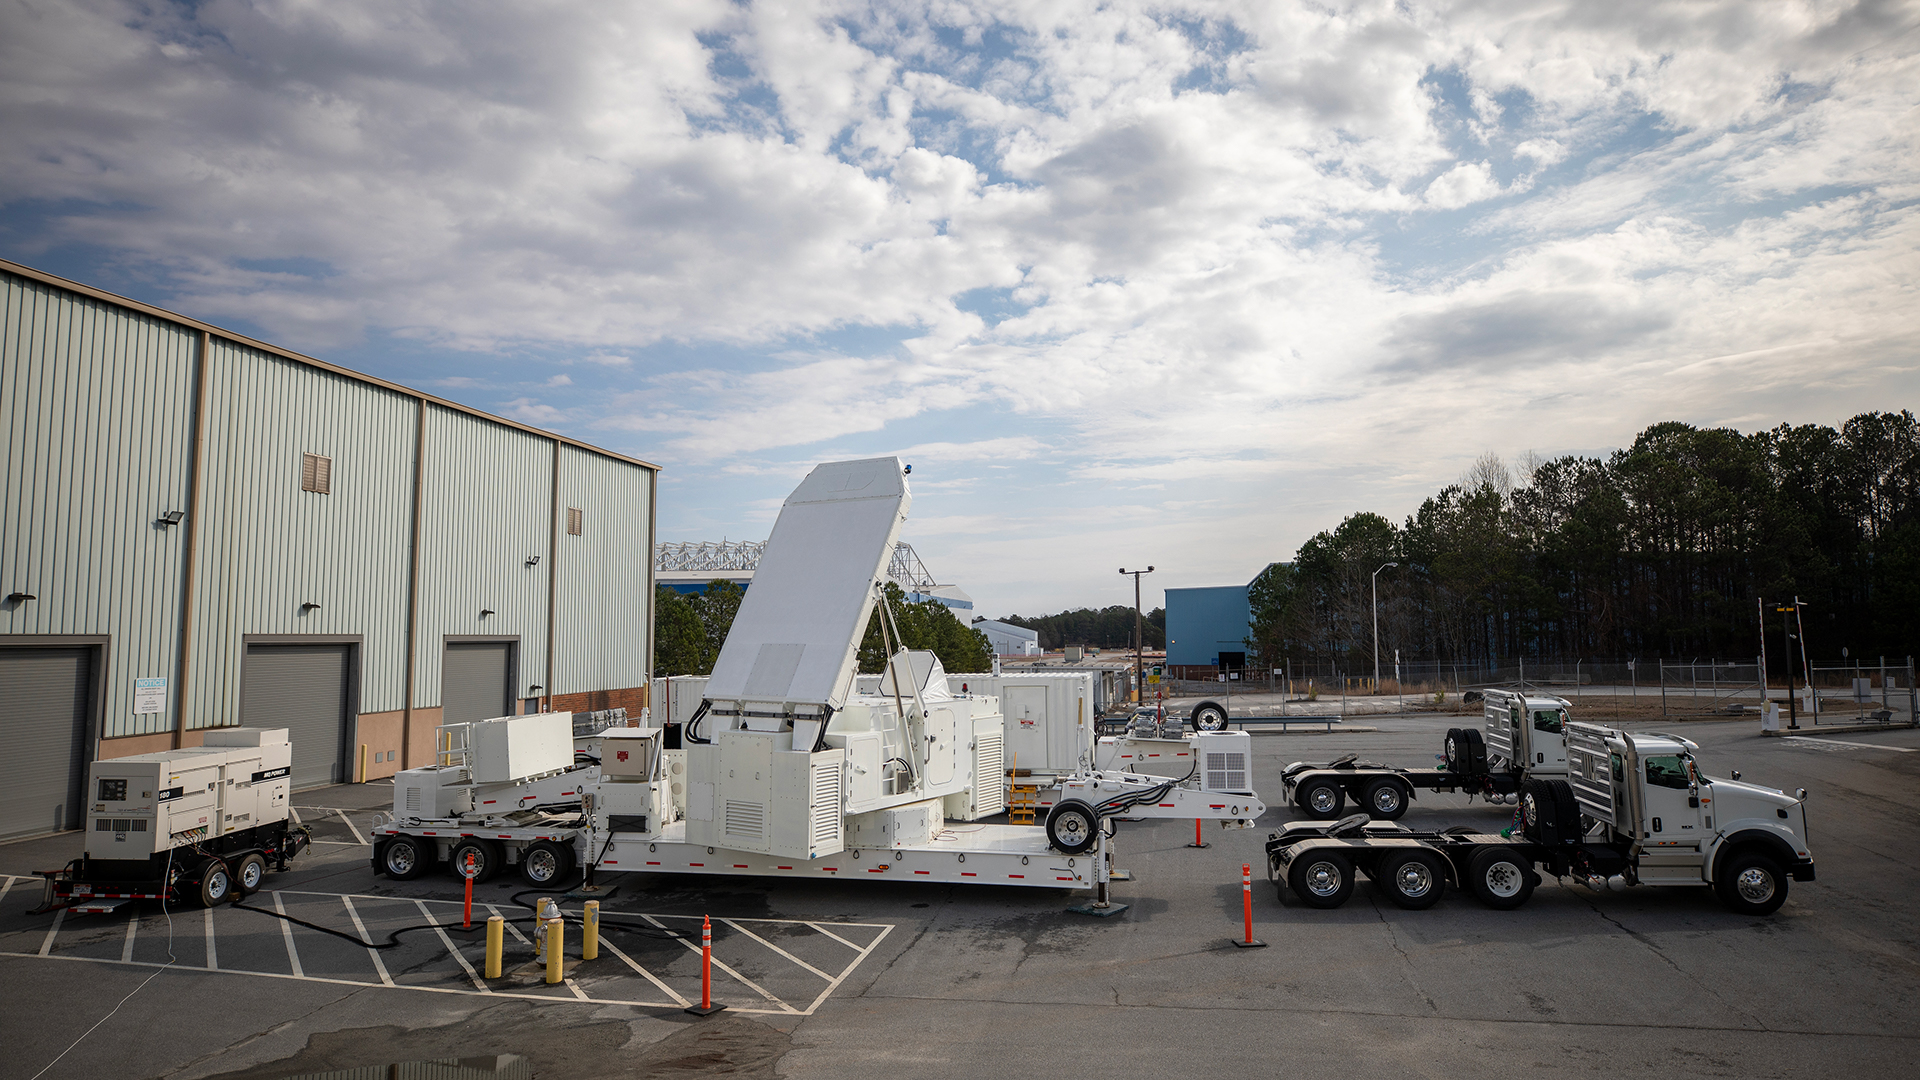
(1139, 639)
(1376, 625)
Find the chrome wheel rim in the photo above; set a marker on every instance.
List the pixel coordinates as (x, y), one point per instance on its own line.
(1322, 879)
(1071, 828)
(1503, 879)
(1321, 799)
(541, 865)
(1754, 885)
(1212, 721)
(400, 859)
(1413, 878)
(1386, 799)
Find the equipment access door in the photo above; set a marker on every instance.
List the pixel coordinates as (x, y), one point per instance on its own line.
(47, 692)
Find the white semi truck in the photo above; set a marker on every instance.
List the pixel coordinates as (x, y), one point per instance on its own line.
(1634, 809)
(788, 767)
(201, 824)
(1523, 739)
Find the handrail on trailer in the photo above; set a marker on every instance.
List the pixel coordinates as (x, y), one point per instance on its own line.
(1283, 721)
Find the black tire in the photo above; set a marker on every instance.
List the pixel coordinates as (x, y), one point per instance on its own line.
(1540, 814)
(216, 883)
(1412, 879)
(1321, 879)
(1475, 748)
(1072, 827)
(545, 863)
(1208, 716)
(1501, 879)
(1751, 883)
(1450, 750)
(404, 858)
(1573, 827)
(1386, 799)
(251, 873)
(1321, 798)
(488, 858)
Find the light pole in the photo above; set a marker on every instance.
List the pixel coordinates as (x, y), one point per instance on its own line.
(1376, 625)
(1139, 640)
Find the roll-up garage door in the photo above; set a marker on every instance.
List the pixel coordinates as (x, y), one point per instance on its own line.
(302, 688)
(43, 718)
(477, 681)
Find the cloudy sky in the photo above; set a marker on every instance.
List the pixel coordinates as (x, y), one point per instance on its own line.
(1127, 283)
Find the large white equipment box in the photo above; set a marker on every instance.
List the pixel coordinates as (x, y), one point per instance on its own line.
(518, 747)
(148, 803)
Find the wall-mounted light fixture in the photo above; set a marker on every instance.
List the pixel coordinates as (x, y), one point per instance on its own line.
(309, 606)
(531, 687)
(20, 597)
(533, 560)
(485, 611)
(169, 519)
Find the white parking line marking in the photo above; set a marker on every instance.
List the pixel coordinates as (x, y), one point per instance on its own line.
(46, 947)
(478, 983)
(778, 949)
(286, 931)
(126, 951)
(834, 936)
(743, 980)
(1856, 745)
(294, 811)
(7, 888)
(644, 973)
(213, 954)
(848, 970)
(575, 987)
(511, 929)
(356, 831)
(371, 952)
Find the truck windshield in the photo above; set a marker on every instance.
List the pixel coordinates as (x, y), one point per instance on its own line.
(1668, 771)
(1547, 721)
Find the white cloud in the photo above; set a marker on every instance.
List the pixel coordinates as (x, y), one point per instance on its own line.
(1266, 241)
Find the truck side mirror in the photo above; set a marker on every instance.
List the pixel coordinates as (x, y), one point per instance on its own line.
(1735, 774)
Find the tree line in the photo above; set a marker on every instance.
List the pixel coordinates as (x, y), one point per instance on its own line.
(1103, 628)
(1663, 548)
(689, 628)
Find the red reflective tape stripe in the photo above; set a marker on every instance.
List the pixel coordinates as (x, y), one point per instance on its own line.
(739, 866)
(968, 873)
(783, 868)
(1153, 755)
(877, 870)
(1217, 806)
(923, 871)
(696, 864)
(650, 862)
(1063, 879)
(1017, 875)
(1166, 804)
(616, 862)
(831, 869)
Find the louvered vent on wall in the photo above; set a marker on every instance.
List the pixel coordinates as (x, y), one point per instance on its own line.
(989, 775)
(576, 521)
(745, 820)
(1227, 772)
(316, 473)
(826, 821)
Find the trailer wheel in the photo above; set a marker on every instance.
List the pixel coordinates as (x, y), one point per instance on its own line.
(1072, 827)
(216, 882)
(1500, 879)
(251, 872)
(1208, 716)
(545, 863)
(487, 859)
(1452, 750)
(404, 858)
(1323, 879)
(1414, 880)
(1386, 799)
(1322, 798)
(1751, 884)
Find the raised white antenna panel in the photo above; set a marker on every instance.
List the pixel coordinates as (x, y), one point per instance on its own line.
(794, 641)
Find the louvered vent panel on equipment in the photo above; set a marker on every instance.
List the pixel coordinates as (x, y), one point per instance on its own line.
(824, 829)
(989, 774)
(1227, 771)
(745, 820)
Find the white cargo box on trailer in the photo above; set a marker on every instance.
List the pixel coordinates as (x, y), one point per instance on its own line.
(1049, 716)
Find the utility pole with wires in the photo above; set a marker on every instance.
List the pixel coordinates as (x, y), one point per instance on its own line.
(1139, 637)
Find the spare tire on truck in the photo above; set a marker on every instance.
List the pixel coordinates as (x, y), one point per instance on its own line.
(1548, 813)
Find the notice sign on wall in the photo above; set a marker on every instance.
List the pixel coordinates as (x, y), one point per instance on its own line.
(149, 696)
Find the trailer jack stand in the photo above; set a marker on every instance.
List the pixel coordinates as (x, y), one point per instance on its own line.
(1102, 905)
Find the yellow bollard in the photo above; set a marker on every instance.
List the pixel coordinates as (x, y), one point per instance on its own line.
(590, 932)
(496, 941)
(556, 945)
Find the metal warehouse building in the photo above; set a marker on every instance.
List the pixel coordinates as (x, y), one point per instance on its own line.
(204, 530)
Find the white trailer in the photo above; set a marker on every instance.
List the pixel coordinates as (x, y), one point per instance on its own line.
(201, 824)
(787, 768)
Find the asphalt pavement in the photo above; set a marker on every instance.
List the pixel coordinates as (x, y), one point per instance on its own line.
(842, 979)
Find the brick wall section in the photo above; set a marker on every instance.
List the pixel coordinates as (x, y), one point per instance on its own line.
(632, 699)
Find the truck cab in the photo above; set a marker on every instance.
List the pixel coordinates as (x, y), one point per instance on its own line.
(1526, 732)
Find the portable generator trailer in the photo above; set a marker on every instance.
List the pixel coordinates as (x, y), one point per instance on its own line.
(1523, 739)
(1634, 810)
(201, 824)
(789, 767)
